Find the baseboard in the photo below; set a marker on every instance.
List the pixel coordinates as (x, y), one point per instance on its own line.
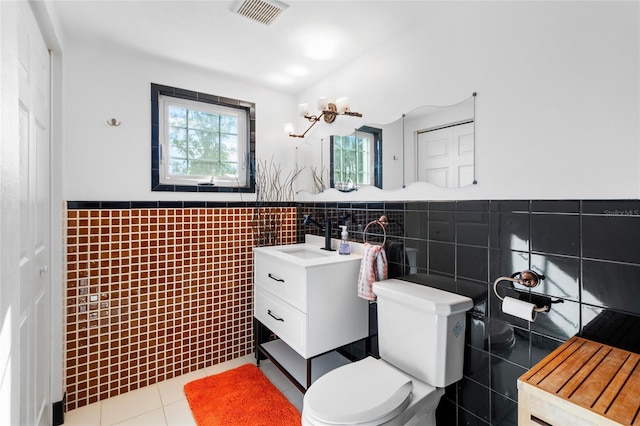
(58, 411)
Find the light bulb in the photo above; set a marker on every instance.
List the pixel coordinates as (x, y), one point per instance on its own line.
(288, 128)
(303, 109)
(342, 105)
(323, 103)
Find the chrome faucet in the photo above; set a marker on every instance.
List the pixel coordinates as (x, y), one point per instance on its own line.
(327, 228)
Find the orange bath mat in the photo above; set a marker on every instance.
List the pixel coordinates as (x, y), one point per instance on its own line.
(242, 396)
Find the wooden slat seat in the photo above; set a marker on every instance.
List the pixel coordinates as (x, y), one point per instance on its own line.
(597, 381)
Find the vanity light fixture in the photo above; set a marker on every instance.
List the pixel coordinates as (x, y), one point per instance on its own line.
(329, 112)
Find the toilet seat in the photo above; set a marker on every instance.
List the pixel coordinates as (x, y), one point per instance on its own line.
(362, 392)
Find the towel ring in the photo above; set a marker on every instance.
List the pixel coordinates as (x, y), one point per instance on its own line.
(382, 222)
(527, 278)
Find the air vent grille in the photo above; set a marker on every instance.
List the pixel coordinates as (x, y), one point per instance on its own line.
(261, 11)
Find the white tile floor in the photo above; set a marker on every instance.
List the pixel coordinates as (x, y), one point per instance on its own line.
(164, 404)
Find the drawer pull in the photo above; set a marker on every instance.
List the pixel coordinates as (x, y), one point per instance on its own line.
(275, 278)
(273, 316)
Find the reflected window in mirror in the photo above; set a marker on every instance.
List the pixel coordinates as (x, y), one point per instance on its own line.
(356, 159)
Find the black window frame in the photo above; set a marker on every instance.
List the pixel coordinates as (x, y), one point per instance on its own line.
(249, 107)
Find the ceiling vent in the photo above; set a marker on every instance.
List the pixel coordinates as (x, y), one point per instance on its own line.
(261, 11)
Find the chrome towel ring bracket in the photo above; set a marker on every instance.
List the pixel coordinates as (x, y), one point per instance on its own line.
(526, 278)
(382, 222)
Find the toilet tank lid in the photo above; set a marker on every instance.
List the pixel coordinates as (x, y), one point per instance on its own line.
(423, 297)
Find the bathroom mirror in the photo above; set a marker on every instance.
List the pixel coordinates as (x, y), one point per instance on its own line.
(309, 157)
(434, 144)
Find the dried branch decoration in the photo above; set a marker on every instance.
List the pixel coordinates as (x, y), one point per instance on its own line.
(274, 194)
(318, 182)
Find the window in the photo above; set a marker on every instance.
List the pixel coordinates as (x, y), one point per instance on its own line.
(201, 142)
(356, 160)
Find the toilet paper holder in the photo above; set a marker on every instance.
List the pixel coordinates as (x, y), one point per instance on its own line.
(526, 278)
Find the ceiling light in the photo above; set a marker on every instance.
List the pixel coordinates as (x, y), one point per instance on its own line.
(329, 112)
(278, 78)
(320, 49)
(297, 71)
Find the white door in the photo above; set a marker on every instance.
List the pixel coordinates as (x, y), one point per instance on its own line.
(445, 156)
(34, 111)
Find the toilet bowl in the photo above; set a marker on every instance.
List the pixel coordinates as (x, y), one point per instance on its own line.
(421, 344)
(369, 392)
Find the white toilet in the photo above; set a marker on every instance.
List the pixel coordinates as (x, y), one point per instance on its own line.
(421, 344)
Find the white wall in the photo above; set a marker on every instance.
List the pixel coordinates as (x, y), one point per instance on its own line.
(557, 108)
(114, 163)
(558, 88)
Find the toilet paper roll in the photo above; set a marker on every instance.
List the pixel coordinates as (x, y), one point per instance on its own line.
(519, 308)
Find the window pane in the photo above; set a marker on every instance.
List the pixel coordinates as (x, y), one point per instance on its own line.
(200, 168)
(227, 169)
(349, 143)
(229, 124)
(223, 170)
(349, 159)
(202, 145)
(229, 148)
(203, 120)
(177, 142)
(177, 166)
(177, 116)
(359, 162)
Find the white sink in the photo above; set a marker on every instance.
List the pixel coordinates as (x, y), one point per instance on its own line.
(306, 254)
(303, 252)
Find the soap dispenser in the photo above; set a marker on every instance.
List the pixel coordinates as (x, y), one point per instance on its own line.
(345, 248)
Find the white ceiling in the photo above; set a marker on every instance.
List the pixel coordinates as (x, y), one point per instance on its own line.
(208, 33)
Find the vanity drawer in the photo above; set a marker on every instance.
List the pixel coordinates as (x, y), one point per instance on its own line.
(283, 279)
(281, 318)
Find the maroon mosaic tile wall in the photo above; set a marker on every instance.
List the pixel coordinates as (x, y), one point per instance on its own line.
(154, 293)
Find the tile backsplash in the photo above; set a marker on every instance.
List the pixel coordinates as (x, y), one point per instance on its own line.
(588, 251)
(158, 289)
(155, 292)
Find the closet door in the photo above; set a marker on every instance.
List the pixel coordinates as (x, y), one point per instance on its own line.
(445, 156)
(34, 170)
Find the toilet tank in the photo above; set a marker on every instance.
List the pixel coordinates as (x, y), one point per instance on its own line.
(421, 330)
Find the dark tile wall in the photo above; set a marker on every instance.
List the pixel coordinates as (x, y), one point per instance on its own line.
(588, 251)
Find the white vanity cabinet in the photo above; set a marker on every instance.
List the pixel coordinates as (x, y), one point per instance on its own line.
(308, 299)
